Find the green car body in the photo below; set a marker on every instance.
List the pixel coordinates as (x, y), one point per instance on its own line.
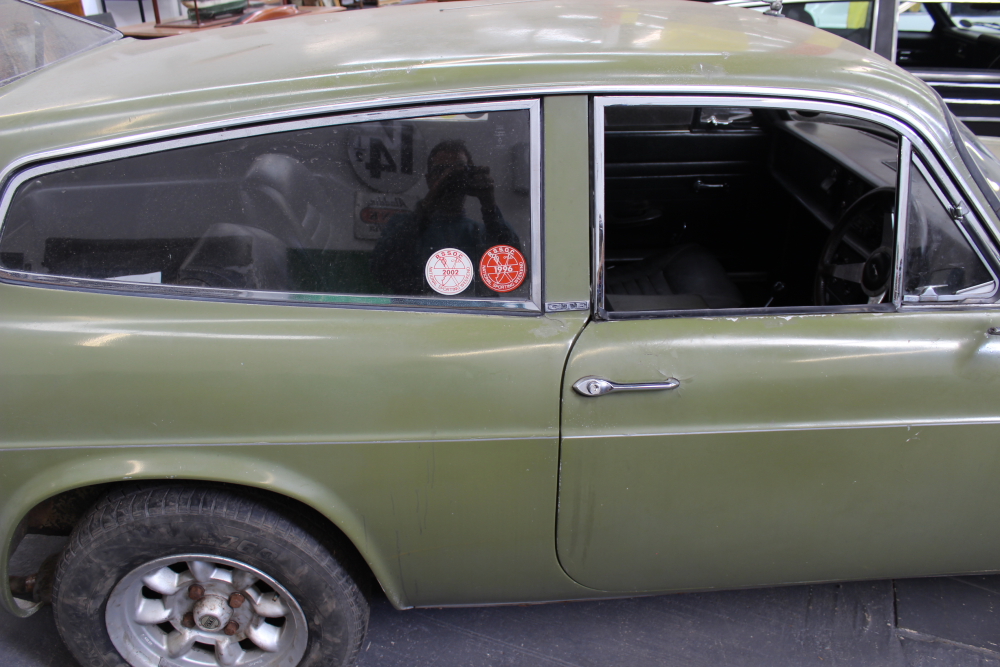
(448, 446)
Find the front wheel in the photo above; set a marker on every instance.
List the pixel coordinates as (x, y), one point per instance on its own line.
(176, 576)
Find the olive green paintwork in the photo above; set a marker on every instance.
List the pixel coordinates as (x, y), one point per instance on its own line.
(797, 448)
(567, 198)
(432, 440)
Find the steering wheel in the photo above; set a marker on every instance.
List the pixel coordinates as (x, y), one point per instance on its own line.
(874, 274)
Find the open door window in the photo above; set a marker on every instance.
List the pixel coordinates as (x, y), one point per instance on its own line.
(722, 208)
(769, 209)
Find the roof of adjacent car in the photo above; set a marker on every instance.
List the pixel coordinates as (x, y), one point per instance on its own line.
(461, 49)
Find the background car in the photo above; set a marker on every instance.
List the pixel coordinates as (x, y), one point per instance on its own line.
(570, 302)
(953, 46)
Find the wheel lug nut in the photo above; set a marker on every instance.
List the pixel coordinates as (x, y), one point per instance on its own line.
(188, 620)
(236, 600)
(196, 591)
(232, 627)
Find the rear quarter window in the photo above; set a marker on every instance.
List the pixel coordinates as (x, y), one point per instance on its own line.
(437, 205)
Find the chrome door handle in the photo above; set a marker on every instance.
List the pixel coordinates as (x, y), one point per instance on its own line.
(595, 386)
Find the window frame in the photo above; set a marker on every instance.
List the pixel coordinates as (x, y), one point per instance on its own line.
(910, 142)
(951, 200)
(530, 306)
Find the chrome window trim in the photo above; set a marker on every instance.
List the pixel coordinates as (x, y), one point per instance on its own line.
(916, 142)
(902, 215)
(780, 311)
(470, 96)
(597, 254)
(264, 297)
(534, 107)
(532, 304)
(709, 91)
(958, 306)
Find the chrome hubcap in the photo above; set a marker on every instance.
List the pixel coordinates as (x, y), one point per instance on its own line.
(196, 610)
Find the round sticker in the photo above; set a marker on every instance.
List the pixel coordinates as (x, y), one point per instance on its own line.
(448, 271)
(502, 268)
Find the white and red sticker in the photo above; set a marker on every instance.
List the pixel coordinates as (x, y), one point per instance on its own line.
(448, 271)
(502, 268)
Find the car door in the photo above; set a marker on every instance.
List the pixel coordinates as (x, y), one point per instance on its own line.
(721, 438)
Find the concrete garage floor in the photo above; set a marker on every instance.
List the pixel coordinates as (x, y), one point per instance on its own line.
(943, 622)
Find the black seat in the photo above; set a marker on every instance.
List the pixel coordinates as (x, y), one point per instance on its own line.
(684, 277)
(282, 196)
(289, 222)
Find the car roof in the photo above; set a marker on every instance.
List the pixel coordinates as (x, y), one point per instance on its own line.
(438, 50)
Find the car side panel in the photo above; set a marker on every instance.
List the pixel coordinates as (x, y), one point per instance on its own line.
(430, 439)
(439, 458)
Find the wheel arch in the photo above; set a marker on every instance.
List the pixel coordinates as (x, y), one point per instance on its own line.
(52, 501)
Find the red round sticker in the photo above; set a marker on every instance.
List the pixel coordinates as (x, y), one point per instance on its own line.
(502, 268)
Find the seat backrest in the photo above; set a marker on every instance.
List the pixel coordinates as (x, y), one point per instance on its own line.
(282, 196)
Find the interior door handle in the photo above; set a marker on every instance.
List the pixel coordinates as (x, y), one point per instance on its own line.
(702, 186)
(595, 386)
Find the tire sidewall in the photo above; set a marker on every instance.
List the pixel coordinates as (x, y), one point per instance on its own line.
(95, 563)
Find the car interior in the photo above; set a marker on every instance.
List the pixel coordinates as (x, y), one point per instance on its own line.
(953, 42)
(719, 208)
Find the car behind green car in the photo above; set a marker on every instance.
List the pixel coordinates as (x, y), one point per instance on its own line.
(953, 46)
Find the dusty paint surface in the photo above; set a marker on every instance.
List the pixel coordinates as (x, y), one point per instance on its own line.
(795, 448)
(432, 440)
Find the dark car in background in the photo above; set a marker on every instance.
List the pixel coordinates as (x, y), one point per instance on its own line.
(953, 46)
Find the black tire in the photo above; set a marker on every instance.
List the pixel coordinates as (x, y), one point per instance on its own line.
(130, 527)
